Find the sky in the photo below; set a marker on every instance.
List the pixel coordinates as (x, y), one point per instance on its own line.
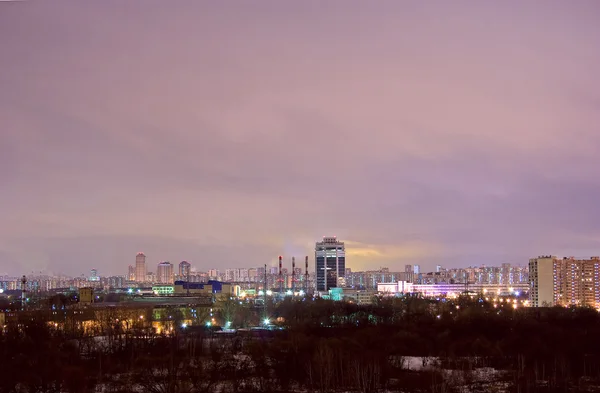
(228, 133)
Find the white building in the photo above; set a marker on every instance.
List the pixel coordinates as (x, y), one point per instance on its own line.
(541, 279)
(394, 288)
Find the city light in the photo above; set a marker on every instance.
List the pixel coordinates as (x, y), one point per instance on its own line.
(269, 292)
(266, 321)
(184, 325)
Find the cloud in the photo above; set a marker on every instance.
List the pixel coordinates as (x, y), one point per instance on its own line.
(228, 135)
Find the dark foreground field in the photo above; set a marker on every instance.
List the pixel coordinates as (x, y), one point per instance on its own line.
(407, 345)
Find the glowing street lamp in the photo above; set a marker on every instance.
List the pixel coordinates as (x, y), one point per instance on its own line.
(266, 321)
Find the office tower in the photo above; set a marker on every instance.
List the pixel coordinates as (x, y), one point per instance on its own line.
(140, 267)
(438, 268)
(131, 273)
(541, 277)
(164, 273)
(416, 269)
(184, 269)
(330, 263)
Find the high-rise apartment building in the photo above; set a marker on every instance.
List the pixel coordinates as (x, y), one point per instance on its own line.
(140, 267)
(576, 282)
(330, 263)
(416, 269)
(409, 274)
(131, 273)
(164, 273)
(184, 269)
(541, 281)
(564, 281)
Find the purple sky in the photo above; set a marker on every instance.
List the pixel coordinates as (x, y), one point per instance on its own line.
(228, 133)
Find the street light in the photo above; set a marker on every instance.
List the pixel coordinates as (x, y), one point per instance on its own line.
(266, 321)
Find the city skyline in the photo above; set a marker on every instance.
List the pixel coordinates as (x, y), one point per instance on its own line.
(458, 132)
(140, 270)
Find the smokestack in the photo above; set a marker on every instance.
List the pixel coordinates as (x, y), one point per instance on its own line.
(280, 276)
(306, 274)
(23, 292)
(265, 293)
(293, 275)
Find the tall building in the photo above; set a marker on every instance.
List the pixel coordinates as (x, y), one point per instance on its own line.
(94, 275)
(164, 273)
(576, 282)
(541, 281)
(131, 273)
(417, 269)
(409, 274)
(140, 267)
(330, 263)
(184, 269)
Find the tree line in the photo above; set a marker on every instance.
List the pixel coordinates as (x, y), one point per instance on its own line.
(319, 346)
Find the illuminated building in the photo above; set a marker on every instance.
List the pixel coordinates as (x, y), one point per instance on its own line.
(184, 269)
(140, 267)
(576, 282)
(131, 273)
(564, 281)
(330, 263)
(164, 273)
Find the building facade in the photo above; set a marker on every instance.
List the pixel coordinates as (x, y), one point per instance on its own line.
(564, 281)
(541, 281)
(184, 269)
(330, 263)
(140, 267)
(576, 282)
(164, 273)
